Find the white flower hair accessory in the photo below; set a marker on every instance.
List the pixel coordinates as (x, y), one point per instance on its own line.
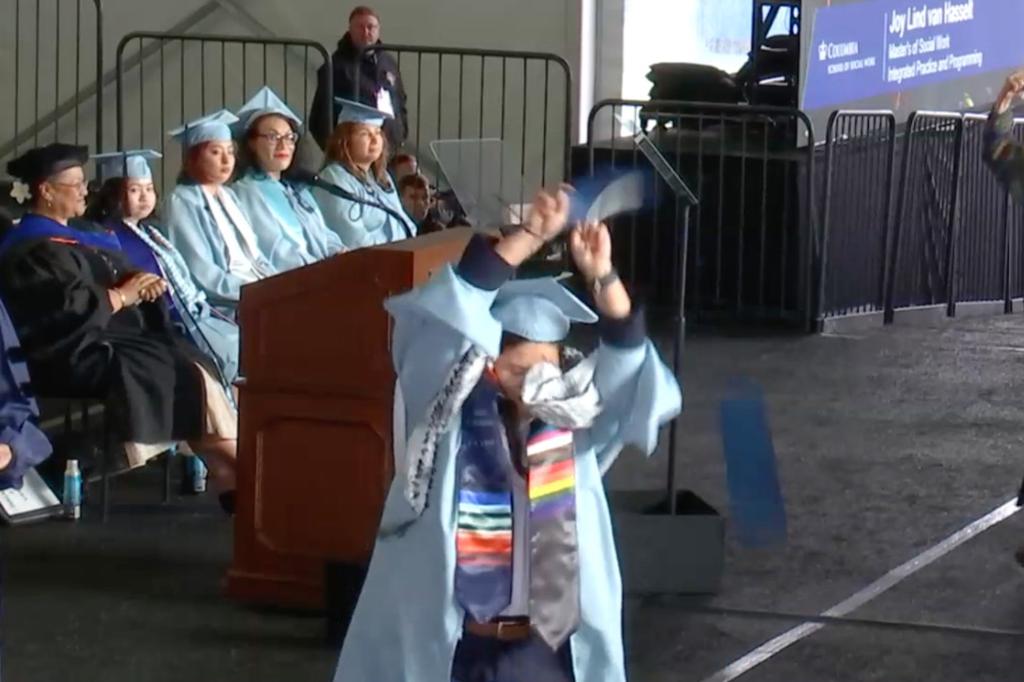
(21, 192)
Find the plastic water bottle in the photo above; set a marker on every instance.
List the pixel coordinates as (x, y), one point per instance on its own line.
(198, 475)
(72, 491)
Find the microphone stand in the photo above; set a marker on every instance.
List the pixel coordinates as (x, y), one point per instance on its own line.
(315, 180)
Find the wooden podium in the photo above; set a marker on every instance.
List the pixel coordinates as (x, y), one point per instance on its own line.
(316, 403)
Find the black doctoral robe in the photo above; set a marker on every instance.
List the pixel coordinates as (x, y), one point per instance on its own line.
(55, 290)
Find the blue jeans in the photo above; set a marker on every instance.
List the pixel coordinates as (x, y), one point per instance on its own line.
(483, 659)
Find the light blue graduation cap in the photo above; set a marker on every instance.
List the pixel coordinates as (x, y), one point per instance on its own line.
(539, 309)
(132, 164)
(356, 112)
(211, 128)
(264, 103)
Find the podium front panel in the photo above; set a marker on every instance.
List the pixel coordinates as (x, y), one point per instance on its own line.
(314, 454)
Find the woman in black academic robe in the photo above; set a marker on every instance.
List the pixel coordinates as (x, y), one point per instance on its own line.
(91, 325)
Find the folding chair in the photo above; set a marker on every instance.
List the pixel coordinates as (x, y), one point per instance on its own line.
(104, 471)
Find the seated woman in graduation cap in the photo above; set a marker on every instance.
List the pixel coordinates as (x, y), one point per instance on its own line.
(92, 325)
(204, 220)
(357, 165)
(288, 223)
(125, 205)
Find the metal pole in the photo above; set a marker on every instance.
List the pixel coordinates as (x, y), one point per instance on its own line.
(99, 77)
(677, 360)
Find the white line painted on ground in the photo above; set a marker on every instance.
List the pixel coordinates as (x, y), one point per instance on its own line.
(837, 335)
(883, 584)
(1012, 349)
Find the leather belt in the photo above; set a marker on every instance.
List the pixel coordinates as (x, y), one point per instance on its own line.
(502, 630)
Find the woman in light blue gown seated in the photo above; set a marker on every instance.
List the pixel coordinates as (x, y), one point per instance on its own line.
(287, 221)
(125, 205)
(204, 220)
(357, 165)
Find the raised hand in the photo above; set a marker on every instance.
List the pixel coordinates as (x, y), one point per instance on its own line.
(1012, 88)
(1015, 82)
(591, 246)
(548, 215)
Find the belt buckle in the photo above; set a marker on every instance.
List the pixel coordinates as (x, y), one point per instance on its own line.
(510, 630)
(505, 630)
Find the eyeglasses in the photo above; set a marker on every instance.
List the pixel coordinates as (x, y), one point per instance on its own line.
(275, 139)
(80, 186)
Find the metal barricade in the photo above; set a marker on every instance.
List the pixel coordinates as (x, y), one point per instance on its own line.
(860, 157)
(523, 99)
(1016, 233)
(50, 82)
(921, 262)
(753, 246)
(983, 262)
(169, 79)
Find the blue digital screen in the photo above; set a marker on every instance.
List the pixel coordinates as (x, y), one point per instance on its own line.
(906, 54)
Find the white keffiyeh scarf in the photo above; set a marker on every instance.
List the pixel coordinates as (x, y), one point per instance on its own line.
(567, 400)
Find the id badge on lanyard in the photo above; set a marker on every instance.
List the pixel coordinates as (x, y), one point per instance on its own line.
(384, 101)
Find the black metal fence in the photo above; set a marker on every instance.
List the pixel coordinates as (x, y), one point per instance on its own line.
(857, 219)
(921, 262)
(521, 102)
(752, 246)
(53, 63)
(983, 257)
(165, 80)
(1016, 236)
(955, 237)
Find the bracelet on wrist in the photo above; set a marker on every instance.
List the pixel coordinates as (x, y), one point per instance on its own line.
(601, 282)
(533, 234)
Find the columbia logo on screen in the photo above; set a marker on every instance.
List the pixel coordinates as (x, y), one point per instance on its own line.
(822, 52)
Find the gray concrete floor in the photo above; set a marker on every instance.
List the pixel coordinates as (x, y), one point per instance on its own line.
(887, 444)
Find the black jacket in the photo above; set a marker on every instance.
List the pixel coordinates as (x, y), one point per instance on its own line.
(376, 70)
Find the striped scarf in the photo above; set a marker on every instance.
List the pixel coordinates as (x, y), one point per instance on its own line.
(173, 265)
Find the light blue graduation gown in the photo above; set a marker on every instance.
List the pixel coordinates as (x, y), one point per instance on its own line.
(407, 623)
(193, 230)
(287, 220)
(359, 225)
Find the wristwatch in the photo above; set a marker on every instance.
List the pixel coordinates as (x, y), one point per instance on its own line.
(602, 282)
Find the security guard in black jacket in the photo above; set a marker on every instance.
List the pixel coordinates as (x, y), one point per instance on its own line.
(374, 73)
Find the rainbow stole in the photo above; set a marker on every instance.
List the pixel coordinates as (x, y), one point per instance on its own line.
(552, 481)
(483, 539)
(554, 549)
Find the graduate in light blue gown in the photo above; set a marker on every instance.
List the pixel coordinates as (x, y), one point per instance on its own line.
(287, 220)
(495, 559)
(125, 205)
(204, 220)
(357, 163)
